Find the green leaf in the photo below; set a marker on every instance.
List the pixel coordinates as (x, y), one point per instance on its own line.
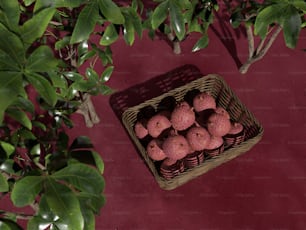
(85, 57)
(46, 217)
(81, 156)
(35, 150)
(8, 167)
(91, 75)
(160, 14)
(24, 104)
(11, 44)
(291, 26)
(28, 2)
(300, 5)
(107, 74)
(236, 19)
(41, 60)
(111, 11)
(194, 26)
(64, 204)
(38, 222)
(177, 20)
(10, 10)
(10, 87)
(7, 63)
(105, 55)
(189, 15)
(68, 3)
(83, 48)
(91, 202)
(4, 186)
(26, 189)
(137, 4)
(39, 125)
(82, 177)
(41, 4)
(86, 22)
(6, 224)
(88, 157)
(35, 27)
(106, 90)
(267, 16)
(129, 31)
(109, 36)
(89, 219)
(184, 4)
(74, 76)
(201, 43)
(43, 87)
(135, 19)
(58, 80)
(62, 143)
(7, 147)
(83, 86)
(62, 43)
(26, 135)
(20, 116)
(99, 162)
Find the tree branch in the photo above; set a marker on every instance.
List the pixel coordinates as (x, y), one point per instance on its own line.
(261, 53)
(265, 49)
(260, 45)
(20, 216)
(175, 43)
(250, 38)
(87, 109)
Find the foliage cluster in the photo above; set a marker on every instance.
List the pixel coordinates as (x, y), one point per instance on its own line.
(44, 44)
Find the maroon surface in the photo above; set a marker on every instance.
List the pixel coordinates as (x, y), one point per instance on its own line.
(262, 189)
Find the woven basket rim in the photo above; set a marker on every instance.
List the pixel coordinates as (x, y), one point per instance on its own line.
(207, 164)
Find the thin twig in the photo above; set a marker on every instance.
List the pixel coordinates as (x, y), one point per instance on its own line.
(176, 44)
(54, 23)
(260, 45)
(50, 33)
(249, 32)
(83, 110)
(249, 16)
(5, 174)
(244, 68)
(92, 112)
(40, 166)
(262, 42)
(269, 44)
(20, 216)
(34, 206)
(93, 63)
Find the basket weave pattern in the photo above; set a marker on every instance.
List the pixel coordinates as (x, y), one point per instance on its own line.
(225, 98)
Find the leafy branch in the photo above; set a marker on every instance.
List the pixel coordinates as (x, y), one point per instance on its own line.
(268, 20)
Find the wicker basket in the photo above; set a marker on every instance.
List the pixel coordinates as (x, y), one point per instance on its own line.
(225, 98)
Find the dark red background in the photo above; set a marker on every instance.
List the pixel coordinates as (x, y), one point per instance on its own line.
(262, 189)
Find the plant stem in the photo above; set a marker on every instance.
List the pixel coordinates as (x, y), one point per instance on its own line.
(260, 53)
(34, 206)
(175, 43)
(20, 216)
(87, 109)
(250, 37)
(40, 166)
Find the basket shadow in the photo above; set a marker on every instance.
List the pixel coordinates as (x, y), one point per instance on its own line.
(136, 94)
